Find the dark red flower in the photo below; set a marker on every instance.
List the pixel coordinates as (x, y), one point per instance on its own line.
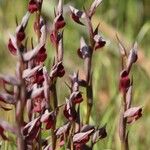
(99, 41)
(77, 15)
(20, 34)
(39, 78)
(41, 56)
(84, 50)
(39, 103)
(69, 111)
(33, 6)
(99, 134)
(11, 47)
(61, 70)
(57, 70)
(76, 97)
(124, 82)
(76, 19)
(31, 130)
(132, 114)
(82, 138)
(55, 37)
(48, 118)
(59, 22)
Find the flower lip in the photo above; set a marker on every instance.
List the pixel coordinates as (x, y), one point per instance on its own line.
(132, 114)
(124, 73)
(124, 82)
(41, 56)
(59, 22)
(99, 41)
(11, 47)
(61, 70)
(33, 6)
(20, 34)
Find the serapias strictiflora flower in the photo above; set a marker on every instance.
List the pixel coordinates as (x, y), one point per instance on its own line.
(100, 133)
(41, 55)
(77, 15)
(132, 114)
(59, 22)
(76, 97)
(31, 130)
(15, 40)
(48, 119)
(81, 138)
(69, 111)
(57, 70)
(12, 46)
(124, 82)
(99, 41)
(33, 6)
(84, 51)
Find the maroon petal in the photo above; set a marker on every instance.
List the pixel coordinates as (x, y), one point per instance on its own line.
(99, 134)
(61, 70)
(132, 114)
(99, 41)
(11, 47)
(76, 15)
(59, 22)
(32, 53)
(76, 19)
(20, 34)
(41, 56)
(69, 111)
(76, 97)
(84, 50)
(31, 130)
(39, 78)
(30, 72)
(82, 137)
(33, 6)
(57, 70)
(124, 82)
(48, 118)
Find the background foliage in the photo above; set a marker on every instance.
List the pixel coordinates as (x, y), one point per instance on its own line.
(130, 19)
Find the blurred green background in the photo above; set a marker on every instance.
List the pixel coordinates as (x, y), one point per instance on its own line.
(130, 19)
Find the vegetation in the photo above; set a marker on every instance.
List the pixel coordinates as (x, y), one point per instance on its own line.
(127, 19)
